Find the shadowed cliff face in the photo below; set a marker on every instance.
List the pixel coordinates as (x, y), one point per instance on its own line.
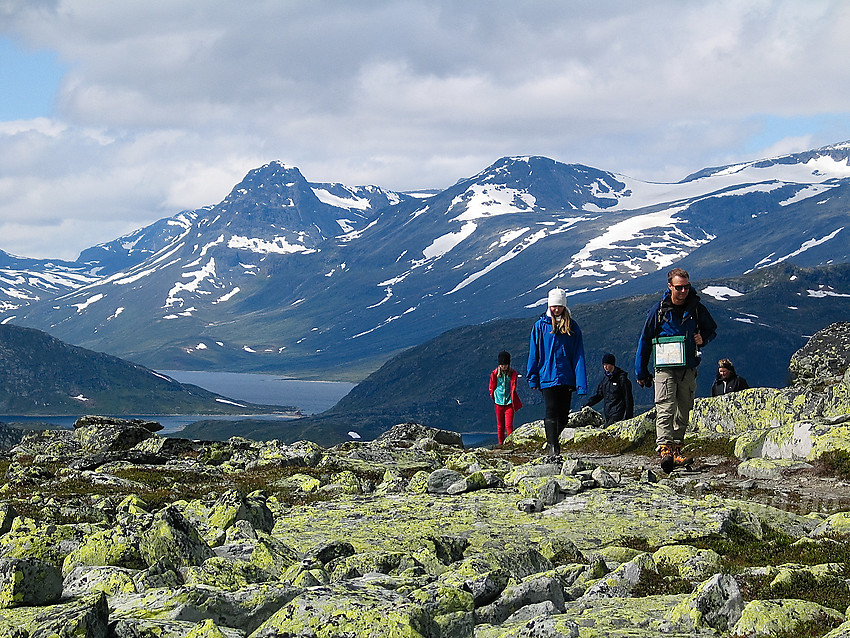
(112, 530)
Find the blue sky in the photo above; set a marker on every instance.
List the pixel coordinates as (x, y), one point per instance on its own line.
(29, 81)
(116, 114)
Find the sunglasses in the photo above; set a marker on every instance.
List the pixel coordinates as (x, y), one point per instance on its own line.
(682, 288)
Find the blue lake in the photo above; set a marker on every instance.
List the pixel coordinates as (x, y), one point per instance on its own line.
(311, 397)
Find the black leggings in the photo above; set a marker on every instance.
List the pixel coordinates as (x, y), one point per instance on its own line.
(557, 400)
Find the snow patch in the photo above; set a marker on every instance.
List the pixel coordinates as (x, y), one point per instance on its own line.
(238, 405)
(228, 296)
(277, 245)
(721, 293)
(85, 304)
(445, 243)
(351, 203)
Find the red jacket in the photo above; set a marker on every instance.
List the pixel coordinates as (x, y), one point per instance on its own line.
(514, 396)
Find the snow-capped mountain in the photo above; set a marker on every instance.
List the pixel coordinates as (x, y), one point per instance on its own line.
(25, 281)
(288, 275)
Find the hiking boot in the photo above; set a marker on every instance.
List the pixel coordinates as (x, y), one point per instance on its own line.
(679, 458)
(668, 463)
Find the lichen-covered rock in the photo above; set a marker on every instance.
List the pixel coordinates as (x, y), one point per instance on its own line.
(348, 609)
(770, 469)
(28, 582)
(690, 563)
(439, 481)
(536, 589)
(633, 430)
(478, 576)
(754, 409)
(215, 519)
(716, 603)
(108, 580)
(791, 578)
(48, 542)
(824, 359)
(86, 617)
(302, 482)
(370, 562)
(244, 609)
(628, 618)
(142, 628)
(838, 524)
(622, 581)
(224, 573)
(57, 444)
(113, 546)
(782, 617)
(105, 434)
(540, 626)
(842, 631)
(169, 537)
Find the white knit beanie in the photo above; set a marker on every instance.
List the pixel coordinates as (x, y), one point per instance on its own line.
(557, 297)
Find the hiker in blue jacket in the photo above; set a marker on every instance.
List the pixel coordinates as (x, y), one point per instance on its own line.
(556, 365)
(679, 314)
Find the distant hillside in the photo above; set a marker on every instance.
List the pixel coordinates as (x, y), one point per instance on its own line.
(43, 375)
(254, 282)
(766, 316)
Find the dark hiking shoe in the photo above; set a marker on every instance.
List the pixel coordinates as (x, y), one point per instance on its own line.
(668, 463)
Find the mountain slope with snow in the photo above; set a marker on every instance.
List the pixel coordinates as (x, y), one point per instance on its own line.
(290, 276)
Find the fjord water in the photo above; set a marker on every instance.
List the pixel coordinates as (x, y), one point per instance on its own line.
(310, 397)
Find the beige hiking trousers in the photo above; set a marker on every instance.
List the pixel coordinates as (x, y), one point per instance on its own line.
(674, 399)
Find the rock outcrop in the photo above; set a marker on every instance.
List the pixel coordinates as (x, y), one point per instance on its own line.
(112, 531)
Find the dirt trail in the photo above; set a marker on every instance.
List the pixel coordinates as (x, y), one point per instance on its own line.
(801, 491)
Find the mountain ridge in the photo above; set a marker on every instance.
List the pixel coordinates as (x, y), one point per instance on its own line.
(42, 375)
(322, 280)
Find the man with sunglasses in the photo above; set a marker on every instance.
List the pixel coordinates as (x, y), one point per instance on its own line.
(675, 330)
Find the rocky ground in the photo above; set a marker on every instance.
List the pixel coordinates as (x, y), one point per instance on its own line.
(802, 490)
(111, 531)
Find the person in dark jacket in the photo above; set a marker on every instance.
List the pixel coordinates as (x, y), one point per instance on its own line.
(616, 390)
(727, 379)
(503, 392)
(556, 365)
(677, 325)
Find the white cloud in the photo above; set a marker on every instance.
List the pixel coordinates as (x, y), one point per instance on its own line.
(165, 106)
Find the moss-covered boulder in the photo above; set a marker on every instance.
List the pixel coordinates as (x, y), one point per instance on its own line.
(690, 563)
(824, 359)
(784, 617)
(349, 609)
(28, 582)
(114, 546)
(87, 617)
(169, 537)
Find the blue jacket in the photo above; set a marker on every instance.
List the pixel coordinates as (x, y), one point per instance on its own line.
(665, 320)
(556, 359)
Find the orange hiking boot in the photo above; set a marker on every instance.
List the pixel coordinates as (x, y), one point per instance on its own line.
(679, 458)
(668, 462)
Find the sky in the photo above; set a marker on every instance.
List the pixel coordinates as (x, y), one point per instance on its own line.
(117, 113)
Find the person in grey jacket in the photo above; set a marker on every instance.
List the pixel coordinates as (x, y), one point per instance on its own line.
(616, 391)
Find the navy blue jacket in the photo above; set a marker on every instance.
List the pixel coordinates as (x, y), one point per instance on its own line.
(666, 320)
(556, 359)
(616, 390)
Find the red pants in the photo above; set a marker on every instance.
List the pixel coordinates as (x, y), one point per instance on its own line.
(504, 421)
